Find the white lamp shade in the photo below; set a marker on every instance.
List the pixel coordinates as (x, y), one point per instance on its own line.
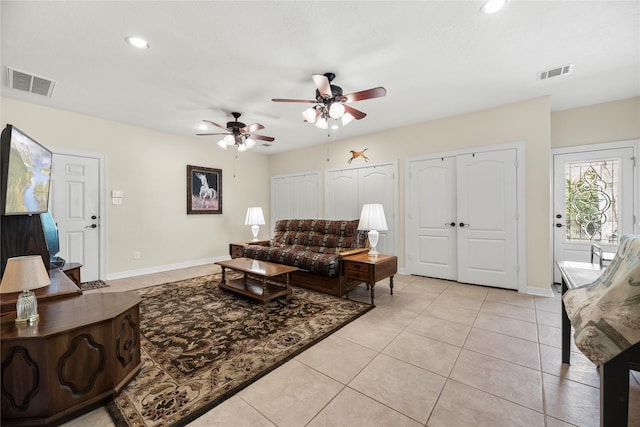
(250, 143)
(309, 115)
(346, 119)
(372, 218)
(24, 273)
(229, 140)
(322, 123)
(222, 144)
(242, 147)
(254, 217)
(336, 110)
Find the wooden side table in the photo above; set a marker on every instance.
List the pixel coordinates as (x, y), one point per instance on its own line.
(72, 270)
(370, 270)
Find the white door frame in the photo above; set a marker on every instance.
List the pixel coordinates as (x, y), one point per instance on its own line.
(102, 197)
(632, 143)
(521, 200)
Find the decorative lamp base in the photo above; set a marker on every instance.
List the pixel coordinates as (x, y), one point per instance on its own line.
(255, 229)
(27, 308)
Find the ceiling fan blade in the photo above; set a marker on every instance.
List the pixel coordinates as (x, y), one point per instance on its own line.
(322, 82)
(262, 138)
(357, 114)
(217, 125)
(253, 127)
(294, 100)
(205, 134)
(376, 92)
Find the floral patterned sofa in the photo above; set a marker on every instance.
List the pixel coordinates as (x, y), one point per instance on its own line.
(316, 247)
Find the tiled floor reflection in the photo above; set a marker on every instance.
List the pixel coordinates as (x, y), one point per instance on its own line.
(436, 353)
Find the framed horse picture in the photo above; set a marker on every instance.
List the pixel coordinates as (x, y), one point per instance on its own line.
(204, 190)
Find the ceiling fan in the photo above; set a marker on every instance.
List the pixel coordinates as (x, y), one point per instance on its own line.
(330, 103)
(238, 134)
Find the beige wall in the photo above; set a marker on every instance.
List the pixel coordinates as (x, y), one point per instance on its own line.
(608, 122)
(527, 121)
(150, 167)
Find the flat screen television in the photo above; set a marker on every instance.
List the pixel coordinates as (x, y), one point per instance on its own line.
(25, 170)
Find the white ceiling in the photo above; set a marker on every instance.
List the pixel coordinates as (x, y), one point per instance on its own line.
(208, 58)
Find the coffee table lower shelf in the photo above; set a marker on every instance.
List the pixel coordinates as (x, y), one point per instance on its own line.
(252, 288)
(262, 280)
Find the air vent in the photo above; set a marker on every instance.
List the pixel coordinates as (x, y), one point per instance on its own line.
(555, 72)
(27, 82)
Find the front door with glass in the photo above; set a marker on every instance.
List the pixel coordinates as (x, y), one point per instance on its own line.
(593, 202)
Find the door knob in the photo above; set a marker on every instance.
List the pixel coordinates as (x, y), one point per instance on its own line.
(450, 224)
(462, 224)
(93, 217)
(91, 226)
(558, 225)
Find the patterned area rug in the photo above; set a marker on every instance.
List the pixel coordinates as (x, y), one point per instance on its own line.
(95, 284)
(200, 345)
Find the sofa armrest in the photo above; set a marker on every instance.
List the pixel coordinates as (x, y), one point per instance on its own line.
(353, 252)
(260, 242)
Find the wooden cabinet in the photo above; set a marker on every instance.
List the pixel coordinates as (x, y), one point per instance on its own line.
(83, 350)
(361, 267)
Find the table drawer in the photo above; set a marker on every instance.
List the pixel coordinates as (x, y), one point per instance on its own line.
(357, 271)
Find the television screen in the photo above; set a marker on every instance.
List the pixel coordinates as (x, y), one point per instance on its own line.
(26, 174)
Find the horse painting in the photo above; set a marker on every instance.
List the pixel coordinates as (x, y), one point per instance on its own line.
(206, 192)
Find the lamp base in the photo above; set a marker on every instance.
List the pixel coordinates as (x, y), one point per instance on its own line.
(373, 242)
(254, 230)
(27, 308)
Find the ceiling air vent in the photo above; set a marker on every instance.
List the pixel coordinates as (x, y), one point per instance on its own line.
(555, 72)
(27, 82)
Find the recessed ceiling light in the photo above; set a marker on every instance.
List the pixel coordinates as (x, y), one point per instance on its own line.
(137, 42)
(493, 6)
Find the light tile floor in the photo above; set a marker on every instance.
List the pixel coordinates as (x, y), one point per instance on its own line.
(436, 353)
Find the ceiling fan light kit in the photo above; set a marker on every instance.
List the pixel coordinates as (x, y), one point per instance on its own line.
(330, 103)
(238, 134)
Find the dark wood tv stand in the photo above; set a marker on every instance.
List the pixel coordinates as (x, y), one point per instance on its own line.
(83, 351)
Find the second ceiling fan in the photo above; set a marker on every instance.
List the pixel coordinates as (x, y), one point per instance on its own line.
(331, 103)
(238, 134)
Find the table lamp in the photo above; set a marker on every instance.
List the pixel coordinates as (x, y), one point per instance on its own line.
(24, 273)
(372, 219)
(255, 219)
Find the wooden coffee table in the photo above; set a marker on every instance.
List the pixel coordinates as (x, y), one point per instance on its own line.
(261, 281)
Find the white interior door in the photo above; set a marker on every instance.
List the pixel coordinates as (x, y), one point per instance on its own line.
(432, 242)
(341, 198)
(462, 218)
(75, 206)
(294, 196)
(593, 199)
(377, 185)
(347, 190)
(487, 218)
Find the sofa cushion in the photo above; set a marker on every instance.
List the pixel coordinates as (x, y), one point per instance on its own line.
(313, 245)
(325, 264)
(319, 233)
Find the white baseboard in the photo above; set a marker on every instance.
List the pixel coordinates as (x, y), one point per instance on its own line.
(540, 292)
(163, 268)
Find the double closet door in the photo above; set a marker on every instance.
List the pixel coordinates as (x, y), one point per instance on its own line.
(347, 190)
(462, 221)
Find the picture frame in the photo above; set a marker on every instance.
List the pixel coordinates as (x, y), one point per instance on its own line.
(204, 190)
